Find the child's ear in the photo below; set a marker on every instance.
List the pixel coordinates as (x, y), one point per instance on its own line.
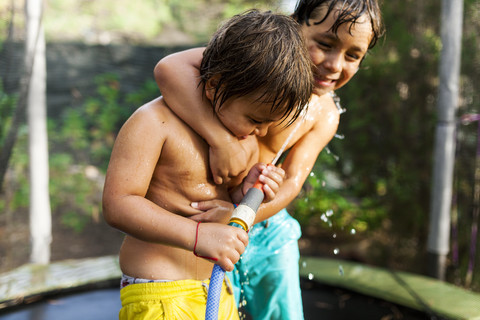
(211, 86)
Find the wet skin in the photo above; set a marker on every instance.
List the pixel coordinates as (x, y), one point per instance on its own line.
(159, 166)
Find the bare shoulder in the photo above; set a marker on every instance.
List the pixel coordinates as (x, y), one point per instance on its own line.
(324, 110)
(323, 116)
(150, 119)
(152, 112)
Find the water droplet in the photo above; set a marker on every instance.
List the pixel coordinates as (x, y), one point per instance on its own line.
(329, 213)
(334, 236)
(353, 231)
(336, 251)
(310, 276)
(340, 270)
(304, 264)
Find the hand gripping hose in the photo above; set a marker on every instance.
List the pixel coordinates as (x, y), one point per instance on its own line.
(243, 217)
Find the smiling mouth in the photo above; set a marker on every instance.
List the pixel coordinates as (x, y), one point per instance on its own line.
(324, 82)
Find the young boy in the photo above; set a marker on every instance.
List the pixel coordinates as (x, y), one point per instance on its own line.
(338, 34)
(159, 166)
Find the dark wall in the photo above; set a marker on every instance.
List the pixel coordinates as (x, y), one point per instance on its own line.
(72, 68)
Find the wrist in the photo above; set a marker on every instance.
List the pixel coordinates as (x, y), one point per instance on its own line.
(219, 139)
(195, 245)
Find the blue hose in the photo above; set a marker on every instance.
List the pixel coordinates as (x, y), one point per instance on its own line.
(214, 291)
(215, 288)
(252, 199)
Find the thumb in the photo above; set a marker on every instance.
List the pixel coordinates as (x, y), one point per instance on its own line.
(203, 205)
(217, 179)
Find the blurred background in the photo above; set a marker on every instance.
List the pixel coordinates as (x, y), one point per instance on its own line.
(368, 197)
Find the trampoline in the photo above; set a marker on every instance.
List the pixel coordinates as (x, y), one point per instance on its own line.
(320, 302)
(56, 292)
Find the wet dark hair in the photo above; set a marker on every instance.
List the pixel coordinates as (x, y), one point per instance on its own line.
(349, 12)
(261, 53)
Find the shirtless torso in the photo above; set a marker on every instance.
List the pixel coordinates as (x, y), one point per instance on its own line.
(181, 175)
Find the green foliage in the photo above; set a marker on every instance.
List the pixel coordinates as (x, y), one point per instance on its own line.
(83, 140)
(76, 199)
(324, 202)
(80, 142)
(385, 158)
(7, 104)
(139, 22)
(16, 179)
(135, 20)
(18, 166)
(209, 14)
(88, 133)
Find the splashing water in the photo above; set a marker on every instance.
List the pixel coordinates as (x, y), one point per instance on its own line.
(245, 281)
(285, 144)
(325, 216)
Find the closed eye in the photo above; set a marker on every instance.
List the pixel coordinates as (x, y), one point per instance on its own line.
(353, 56)
(324, 45)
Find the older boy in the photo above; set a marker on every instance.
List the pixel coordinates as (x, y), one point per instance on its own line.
(338, 34)
(159, 166)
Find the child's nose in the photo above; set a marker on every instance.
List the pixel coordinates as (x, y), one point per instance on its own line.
(333, 62)
(261, 131)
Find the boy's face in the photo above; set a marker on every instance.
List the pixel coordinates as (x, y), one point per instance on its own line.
(337, 56)
(244, 116)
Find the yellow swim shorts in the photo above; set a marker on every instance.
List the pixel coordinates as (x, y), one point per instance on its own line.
(183, 299)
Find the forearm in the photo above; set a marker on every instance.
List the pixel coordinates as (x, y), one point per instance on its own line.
(287, 193)
(178, 79)
(146, 221)
(303, 154)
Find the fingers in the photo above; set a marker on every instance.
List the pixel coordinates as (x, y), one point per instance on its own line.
(272, 178)
(217, 179)
(212, 204)
(269, 193)
(218, 211)
(225, 253)
(227, 265)
(227, 162)
(243, 237)
(202, 205)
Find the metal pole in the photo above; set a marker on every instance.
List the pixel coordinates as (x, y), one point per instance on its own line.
(444, 153)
